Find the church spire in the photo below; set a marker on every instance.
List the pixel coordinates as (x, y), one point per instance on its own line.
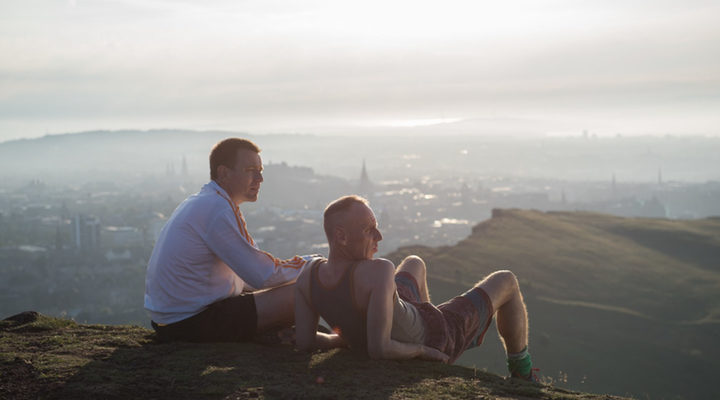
(365, 187)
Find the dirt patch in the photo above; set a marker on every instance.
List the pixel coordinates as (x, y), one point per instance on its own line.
(19, 380)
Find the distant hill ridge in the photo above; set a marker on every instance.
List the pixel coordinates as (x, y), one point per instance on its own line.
(121, 134)
(129, 152)
(559, 251)
(628, 305)
(122, 153)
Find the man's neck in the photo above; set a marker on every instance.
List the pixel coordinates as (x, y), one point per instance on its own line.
(338, 259)
(227, 193)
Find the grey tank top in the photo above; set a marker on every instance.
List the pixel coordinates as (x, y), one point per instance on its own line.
(338, 308)
(336, 304)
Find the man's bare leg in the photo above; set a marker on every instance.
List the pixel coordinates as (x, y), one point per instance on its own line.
(416, 267)
(275, 307)
(512, 323)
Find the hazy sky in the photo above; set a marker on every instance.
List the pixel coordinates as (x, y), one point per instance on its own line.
(472, 67)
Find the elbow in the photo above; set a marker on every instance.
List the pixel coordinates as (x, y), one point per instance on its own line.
(377, 352)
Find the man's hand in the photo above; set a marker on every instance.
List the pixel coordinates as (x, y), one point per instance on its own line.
(432, 354)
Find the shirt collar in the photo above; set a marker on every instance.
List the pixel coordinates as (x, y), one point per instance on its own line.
(213, 186)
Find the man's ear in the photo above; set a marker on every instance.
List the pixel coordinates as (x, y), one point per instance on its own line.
(340, 235)
(222, 172)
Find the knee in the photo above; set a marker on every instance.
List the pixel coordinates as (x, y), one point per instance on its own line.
(413, 259)
(506, 278)
(414, 262)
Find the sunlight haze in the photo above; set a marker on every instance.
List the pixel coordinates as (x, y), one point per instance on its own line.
(329, 67)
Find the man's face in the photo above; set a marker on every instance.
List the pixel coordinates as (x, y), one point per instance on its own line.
(362, 232)
(242, 182)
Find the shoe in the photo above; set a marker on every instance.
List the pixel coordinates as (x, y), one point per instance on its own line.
(532, 377)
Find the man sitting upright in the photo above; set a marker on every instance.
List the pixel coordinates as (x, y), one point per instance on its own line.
(205, 259)
(387, 313)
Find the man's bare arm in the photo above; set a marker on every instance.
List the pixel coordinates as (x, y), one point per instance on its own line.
(379, 321)
(306, 320)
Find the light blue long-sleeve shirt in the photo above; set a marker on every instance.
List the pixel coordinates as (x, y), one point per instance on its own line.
(205, 254)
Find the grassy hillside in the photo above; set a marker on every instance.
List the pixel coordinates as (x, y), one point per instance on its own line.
(42, 357)
(628, 305)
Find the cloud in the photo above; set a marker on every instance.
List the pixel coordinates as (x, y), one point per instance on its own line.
(318, 61)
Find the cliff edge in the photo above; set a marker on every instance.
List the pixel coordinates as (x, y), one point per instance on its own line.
(45, 357)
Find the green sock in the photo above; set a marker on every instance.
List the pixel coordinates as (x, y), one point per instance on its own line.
(520, 363)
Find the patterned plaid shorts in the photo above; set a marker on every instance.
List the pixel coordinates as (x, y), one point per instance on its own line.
(454, 326)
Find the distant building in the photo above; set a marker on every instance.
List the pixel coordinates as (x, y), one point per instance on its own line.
(119, 255)
(35, 187)
(121, 236)
(184, 167)
(365, 187)
(58, 237)
(86, 232)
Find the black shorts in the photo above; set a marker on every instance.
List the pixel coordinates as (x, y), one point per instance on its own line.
(229, 320)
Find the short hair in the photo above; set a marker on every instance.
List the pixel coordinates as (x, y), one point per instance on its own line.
(338, 206)
(225, 153)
